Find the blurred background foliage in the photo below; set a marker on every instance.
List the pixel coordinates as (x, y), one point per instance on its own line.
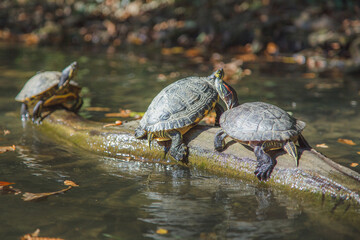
(292, 25)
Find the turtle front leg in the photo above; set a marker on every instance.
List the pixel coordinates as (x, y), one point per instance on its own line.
(218, 110)
(37, 112)
(140, 133)
(219, 140)
(178, 149)
(265, 165)
(24, 112)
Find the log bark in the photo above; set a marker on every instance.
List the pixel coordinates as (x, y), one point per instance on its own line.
(316, 174)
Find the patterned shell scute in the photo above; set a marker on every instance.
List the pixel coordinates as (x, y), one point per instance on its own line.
(179, 105)
(258, 121)
(38, 84)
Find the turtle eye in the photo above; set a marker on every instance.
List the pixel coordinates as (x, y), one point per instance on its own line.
(219, 74)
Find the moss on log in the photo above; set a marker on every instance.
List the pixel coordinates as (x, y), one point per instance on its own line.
(316, 174)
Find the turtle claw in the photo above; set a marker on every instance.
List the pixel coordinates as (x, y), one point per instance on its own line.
(140, 133)
(36, 121)
(263, 171)
(180, 153)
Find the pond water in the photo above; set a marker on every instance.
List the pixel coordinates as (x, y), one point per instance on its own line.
(118, 199)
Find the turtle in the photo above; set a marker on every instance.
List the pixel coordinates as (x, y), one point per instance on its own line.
(49, 89)
(179, 107)
(264, 127)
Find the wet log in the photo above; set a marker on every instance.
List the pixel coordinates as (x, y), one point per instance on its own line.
(317, 176)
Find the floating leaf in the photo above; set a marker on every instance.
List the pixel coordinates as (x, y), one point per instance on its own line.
(6, 132)
(346, 141)
(7, 148)
(354, 164)
(125, 114)
(70, 183)
(117, 123)
(309, 75)
(35, 236)
(310, 85)
(6, 183)
(37, 196)
(322, 145)
(98, 109)
(6, 188)
(162, 231)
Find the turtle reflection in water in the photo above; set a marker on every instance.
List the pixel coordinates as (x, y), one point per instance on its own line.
(262, 126)
(48, 90)
(178, 108)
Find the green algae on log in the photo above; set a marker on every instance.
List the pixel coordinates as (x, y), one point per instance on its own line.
(315, 173)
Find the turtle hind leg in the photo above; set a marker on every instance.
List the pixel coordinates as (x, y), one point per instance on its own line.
(265, 165)
(77, 105)
(178, 149)
(219, 140)
(291, 149)
(303, 143)
(24, 112)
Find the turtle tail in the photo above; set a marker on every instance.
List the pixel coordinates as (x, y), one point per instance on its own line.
(291, 149)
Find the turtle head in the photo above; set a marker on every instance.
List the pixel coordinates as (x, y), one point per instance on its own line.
(226, 93)
(67, 74)
(218, 74)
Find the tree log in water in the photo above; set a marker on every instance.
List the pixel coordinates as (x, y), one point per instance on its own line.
(315, 174)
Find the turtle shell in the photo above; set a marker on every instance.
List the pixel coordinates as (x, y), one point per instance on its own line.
(182, 103)
(40, 84)
(258, 121)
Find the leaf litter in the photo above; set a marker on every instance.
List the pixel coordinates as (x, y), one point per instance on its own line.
(38, 196)
(35, 236)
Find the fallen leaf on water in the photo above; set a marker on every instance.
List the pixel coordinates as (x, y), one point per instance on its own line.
(161, 77)
(98, 109)
(310, 85)
(9, 189)
(309, 75)
(6, 188)
(346, 141)
(322, 145)
(70, 183)
(6, 183)
(162, 231)
(354, 164)
(35, 236)
(37, 196)
(117, 123)
(6, 132)
(7, 148)
(125, 114)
